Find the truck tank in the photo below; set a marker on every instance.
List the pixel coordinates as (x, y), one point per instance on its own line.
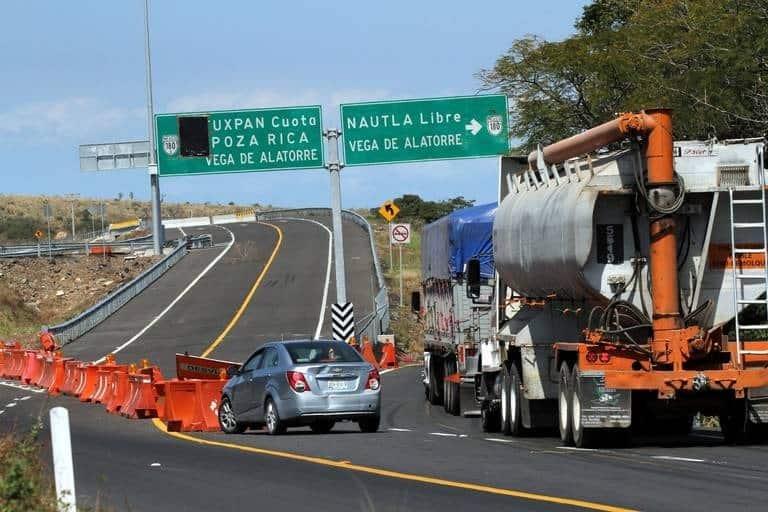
(573, 233)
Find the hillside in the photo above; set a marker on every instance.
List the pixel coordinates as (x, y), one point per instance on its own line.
(21, 216)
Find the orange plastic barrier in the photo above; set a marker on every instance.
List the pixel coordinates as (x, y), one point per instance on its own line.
(71, 377)
(88, 382)
(96, 250)
(389, 356)
(48, 375)
(18, 360)
(7, 358)
(368, 354)
(48, 341)
(118, 391)
(58, 375)
(33, 368)
(142, 402)
(190, 405)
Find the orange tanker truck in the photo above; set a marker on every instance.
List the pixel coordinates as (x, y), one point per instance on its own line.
(627, 290)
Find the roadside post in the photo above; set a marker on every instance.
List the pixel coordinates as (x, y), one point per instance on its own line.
(47, 215)
(63, 469)
(400, 234)
(154, 179)
(389, 211)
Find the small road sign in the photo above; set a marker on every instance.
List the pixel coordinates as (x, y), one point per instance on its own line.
(269, 139)
(400, 234)
(389, 210)
(343, 321)
(425, 129)
(39, 234)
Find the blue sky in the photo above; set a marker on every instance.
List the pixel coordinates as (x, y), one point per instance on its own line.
(73, 73)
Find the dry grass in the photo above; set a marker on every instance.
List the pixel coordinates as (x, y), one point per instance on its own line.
(25, 485)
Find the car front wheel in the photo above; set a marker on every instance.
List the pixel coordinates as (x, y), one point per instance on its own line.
(227, 420)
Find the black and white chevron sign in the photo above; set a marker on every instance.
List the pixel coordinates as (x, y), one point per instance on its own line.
(343, 321)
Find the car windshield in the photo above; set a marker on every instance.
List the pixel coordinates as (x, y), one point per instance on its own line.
(322, 352)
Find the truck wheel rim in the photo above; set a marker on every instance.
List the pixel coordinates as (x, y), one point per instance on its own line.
(563, 411)
(576, 412)
(504, 407)
(512, 403)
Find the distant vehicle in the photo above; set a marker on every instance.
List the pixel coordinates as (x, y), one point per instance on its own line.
(298, 383)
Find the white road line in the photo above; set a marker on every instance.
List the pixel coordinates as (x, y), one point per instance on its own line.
(576, 449)
(323, 305)
(443, 434)
(182, 231)
(681, 459)
(11, 404)
(25, 398)
(393, 429)
(178, 298)
(21, 386)
(497, 440)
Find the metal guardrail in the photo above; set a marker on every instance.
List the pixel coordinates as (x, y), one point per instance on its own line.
(18, 251)
(377, 321)
(93, 316)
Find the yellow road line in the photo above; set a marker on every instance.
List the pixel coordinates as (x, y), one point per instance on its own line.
(248, 297)
(346, 465)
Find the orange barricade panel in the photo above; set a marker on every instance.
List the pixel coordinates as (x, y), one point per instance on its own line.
(119, 392)
(193, 367)
(389, 356)
(58, 375)
(89, 385)
(368, 354)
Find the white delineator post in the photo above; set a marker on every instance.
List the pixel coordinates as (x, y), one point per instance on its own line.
(61, 445)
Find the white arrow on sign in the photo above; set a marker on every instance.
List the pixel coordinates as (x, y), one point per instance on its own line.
(474, 127)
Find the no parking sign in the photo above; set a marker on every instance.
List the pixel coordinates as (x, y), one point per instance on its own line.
(400, 234)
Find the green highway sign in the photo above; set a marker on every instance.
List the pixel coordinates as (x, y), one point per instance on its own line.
(269, 139)
(424, 129)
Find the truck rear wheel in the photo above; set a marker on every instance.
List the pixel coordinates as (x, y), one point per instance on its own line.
(435, 381)
(565, 390)
(582, 437)
(490, 418)
(511, 398)
(450, 389)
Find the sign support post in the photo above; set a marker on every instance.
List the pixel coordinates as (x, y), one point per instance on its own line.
(391, 262)
(334, 167)
(400, 250)
(154, 180)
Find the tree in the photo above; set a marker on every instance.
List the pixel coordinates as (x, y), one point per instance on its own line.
(705, 59)
(119, 196)
(130, 196)
(413, 207)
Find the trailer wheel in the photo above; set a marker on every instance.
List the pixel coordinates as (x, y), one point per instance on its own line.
(490, 418)
(450, 389)
(435, 385)
(511, 400)
(565, 390)
(582, 437)
(734, 422)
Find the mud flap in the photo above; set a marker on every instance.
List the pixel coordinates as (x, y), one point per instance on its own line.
(603, 407)
(758, 405)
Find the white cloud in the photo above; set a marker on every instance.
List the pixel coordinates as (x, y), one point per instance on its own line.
(78, 118)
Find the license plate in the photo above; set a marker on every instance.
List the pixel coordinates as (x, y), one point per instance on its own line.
(339, 385)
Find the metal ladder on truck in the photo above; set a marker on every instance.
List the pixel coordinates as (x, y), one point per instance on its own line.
(745, 196)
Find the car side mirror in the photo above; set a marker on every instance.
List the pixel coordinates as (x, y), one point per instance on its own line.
(473, 278)
(232, 371)
(416, 302)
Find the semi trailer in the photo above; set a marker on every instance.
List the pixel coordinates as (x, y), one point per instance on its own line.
(618, 285)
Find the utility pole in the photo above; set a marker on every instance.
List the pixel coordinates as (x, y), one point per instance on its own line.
(72, 198)
(154, 179)
(334, 167)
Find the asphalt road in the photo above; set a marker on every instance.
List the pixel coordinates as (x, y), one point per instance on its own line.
(421, 459)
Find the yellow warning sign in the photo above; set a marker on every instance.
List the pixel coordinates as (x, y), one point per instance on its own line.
(39, 234)
(389, 210)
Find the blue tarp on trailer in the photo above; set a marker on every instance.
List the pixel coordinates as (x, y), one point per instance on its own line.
(449, 242)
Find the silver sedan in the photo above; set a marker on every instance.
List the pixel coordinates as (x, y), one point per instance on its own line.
(298, 383)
